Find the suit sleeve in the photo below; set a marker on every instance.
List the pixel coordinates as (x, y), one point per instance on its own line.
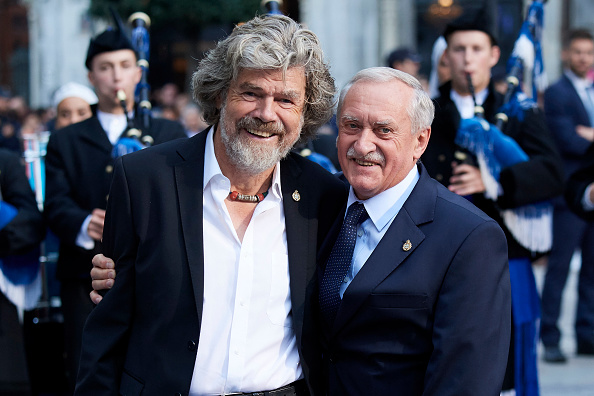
(63, 214)
(576, 188)
(470, 344)
(106, 332)
(26, 230)
(561, 123)
(541, 177)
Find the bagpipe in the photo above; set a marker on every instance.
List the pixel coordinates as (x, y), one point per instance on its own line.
(135, 137)
(531, 225)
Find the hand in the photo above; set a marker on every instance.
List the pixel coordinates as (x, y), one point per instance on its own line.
(466, 179)
(590, 188)
(103, 276)
(585, 132)
(95, 228)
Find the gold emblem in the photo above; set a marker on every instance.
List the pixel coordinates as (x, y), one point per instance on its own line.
(407, 245)
(296, 196)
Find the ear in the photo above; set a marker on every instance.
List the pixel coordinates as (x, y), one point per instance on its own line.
(422, 142)
(495, 54)
(91, 77)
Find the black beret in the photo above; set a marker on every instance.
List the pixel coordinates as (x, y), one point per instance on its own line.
(109, 40)
(479, 19)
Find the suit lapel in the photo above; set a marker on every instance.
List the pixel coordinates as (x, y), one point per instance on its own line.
(298, 227)
(189, 176)
(391, 251)
(583, 117)
(95, 135)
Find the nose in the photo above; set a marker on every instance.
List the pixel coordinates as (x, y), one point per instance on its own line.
(364, 143)
(265, 109)
(117, 73)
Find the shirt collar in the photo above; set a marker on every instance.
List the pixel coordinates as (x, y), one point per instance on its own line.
(465, 104)
(385, 205)
(213, 170)
(578, 82)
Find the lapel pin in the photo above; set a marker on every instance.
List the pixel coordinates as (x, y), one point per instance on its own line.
(407, 245)
(296, 196)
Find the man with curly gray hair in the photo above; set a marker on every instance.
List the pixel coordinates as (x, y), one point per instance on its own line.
(215, 238)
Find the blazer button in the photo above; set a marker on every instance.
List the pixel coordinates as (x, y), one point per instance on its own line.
(108, 169)
(439, 177)
(191, 345)
(441, 157)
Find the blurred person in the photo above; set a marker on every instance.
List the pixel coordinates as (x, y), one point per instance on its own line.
(513, 196)
(73, 102)
(579, 192)
(440, 70)
(79, 165)
(405, 59)
(569, 107)
(192, 119)
(169, 113)
(21, 231)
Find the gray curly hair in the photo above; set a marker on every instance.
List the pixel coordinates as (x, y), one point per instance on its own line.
(421, 109)
(267, 43)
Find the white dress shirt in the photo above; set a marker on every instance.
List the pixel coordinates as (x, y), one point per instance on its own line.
(113, 125)
(247, 342)
(382, 210)
(465, 104)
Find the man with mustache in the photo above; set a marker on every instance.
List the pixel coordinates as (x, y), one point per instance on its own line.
(414, 295)
(215, 237)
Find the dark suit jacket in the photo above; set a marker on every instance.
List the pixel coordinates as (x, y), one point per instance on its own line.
(79, 169)
(565, 110)
(577, 184)
(433, 320)
(144, 335)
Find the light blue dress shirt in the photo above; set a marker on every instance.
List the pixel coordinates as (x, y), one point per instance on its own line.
(382, 210)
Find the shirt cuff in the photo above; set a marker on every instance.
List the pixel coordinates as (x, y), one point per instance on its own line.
(83, 239)
(586, 203)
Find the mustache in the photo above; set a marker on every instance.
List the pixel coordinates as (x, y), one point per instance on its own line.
(255, 123)
(375, 156)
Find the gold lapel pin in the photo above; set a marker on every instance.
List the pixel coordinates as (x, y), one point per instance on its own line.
(296, 196)
(407, 245)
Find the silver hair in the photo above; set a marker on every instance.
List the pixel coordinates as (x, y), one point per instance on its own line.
(273, 42)
(421, 108)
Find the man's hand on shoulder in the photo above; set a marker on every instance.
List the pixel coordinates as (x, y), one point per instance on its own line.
(95, 228)
(103, 276)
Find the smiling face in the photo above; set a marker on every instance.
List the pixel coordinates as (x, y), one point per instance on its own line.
(261, 118)
(111, 71)
(471, 52)
(376, 148)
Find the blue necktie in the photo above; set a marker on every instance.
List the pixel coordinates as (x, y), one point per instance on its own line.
(340, 260)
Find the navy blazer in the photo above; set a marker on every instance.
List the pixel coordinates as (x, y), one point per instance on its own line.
(565, 110)
(144, 335)
(434, 319)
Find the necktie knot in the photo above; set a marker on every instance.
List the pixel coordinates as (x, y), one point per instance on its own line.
(356, 214)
